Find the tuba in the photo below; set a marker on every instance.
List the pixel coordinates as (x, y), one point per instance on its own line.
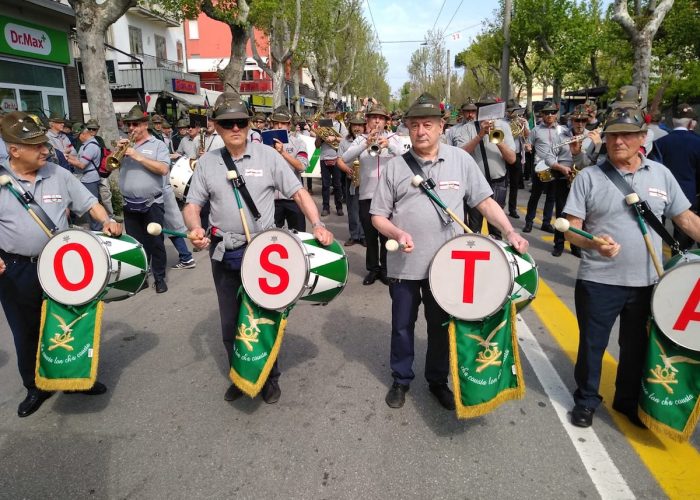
(114, 160)
(517, 127)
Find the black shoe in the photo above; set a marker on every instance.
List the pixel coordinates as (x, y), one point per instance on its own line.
(350, 242)
(144, 286)
(630, 413)
(444, 395)
(33, 401)
(340, 211)
(576, 252)
(95, 390)
(161, 286)
(233, 393)
(528, 227)
(384, 278)
(325, 212)
(362, 242)
(514, 214)
(271, 392)
(557, 252)
(396, 396)
(582, 416)
(370, 278)
(547, 228)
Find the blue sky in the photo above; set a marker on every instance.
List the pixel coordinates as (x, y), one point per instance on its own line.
(411, 20)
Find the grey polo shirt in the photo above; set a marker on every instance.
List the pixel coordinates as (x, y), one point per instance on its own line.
(60, 141)
(189, 147)
(3, 151)
(596, 200)
(90, 154)
(55, 190)
(212, 142)
(543, 138)
(457, 178)
(135, 180)
(254, 136)
(371, 167)
(327, 152)
(297, 149)
(467, 132)
(263, 169)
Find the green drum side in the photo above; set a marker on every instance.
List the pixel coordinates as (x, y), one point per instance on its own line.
(333, 247)
(130, 285)
(673, 261)
(136, 257)
(529, 280)
(323, 297)
(337, 270)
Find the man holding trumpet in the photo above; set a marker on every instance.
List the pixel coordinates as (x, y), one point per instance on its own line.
(616, 276)
(405, 213)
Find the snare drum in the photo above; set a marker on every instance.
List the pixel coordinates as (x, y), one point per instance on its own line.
(76, 266)
(279, 268)
(676, 300)
(543, 172)
(472, 276)
(180, 177)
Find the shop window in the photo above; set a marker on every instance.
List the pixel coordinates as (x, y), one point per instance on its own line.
(193, 28)
(8, 100)
(161, 51)
(135, 40)
(29, 74)
(31, 101)
(56, 105)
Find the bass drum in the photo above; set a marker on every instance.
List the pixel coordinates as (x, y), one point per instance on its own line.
(76, 266)
(180, 177)
(281, 267)
(472, 276)
(674, 303)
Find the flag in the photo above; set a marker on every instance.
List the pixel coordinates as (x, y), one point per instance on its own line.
(69, 345)
(206, 101)
(668, 401)
(456, 36)
(256, 345)
(485, 362)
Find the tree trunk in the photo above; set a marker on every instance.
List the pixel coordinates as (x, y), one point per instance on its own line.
(556, 91)
(232, 74)
(297, 93)
(92, 21)
(505, 56)
(641, 67)
(528, 88)
(659, 95)
(595, 75)
(278, 85)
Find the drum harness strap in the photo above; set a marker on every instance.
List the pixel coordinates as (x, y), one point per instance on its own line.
(239, 183)
(427, 186)
(27, 200)
(641, 208)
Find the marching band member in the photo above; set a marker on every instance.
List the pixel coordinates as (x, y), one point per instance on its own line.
(373, 150)
(212, 140)
(141, 181)
(21, 240)
(155, 127)
(86, 164)
(329, 157)
(294, 153)
(616, 279)
(586, 151)
(182, 125)
(189, 145)
(405, 213)
(515, 169)
(357, 127)
(264, 171)
(57, 138)
(167, 134)
(105, 189)
(456, 135)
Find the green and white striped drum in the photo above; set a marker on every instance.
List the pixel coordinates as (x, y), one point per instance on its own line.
(281, 267)
(526, 278)
(77, 266)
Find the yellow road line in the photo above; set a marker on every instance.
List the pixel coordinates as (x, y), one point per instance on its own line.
(675, 466)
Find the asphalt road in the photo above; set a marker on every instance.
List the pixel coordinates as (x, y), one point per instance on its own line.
(163, 429)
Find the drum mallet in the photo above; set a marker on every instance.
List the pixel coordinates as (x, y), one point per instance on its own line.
(232, 175)
(6, 181)
(155, 229)
(418, 181)
(562, 225)
(633, 200)
(393, 245)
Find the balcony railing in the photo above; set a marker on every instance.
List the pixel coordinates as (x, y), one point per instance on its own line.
(152, 62)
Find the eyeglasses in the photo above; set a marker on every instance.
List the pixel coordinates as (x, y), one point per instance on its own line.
(229, 124)
(549, 113)
(133, 124)
(581, 120)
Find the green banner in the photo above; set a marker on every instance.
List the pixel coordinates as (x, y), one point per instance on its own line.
(69, 345)
(668, 401)
(485, 362)
(313, 161)
(23, 39)
(256, 345)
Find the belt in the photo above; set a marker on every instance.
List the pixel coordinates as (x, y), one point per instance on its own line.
(13, 257)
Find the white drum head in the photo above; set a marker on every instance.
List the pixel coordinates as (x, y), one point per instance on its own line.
(73, 267)
(675, 305)
(471, 277)
(275, 269)
(180, 177)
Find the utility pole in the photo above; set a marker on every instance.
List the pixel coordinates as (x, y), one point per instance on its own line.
(505, 58)
(449, 77)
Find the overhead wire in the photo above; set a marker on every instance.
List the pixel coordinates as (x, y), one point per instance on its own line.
(453, 16)
(438, 16)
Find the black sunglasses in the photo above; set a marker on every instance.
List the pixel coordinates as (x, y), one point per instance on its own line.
(581, 119)
(549, 112)
(229, 124)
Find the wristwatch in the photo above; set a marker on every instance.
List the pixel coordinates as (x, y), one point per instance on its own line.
(317, 224)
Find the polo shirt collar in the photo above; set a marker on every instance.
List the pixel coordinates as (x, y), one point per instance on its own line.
(43, 173)
(442, 150)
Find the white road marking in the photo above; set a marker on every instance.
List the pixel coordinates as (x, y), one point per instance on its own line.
(605, 475)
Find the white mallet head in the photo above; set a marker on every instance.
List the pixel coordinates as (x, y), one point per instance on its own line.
(416, 181)
(5, 180)
(391, 245)
(154, 229)
(632, 198)
(562, 225)
(231, 174)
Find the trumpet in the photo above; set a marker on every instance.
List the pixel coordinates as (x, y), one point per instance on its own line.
(356, 173)
(574, 172)
(114, 160)
(374, 149)
(496, 135)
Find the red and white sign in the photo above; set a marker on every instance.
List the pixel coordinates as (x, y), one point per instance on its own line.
(26, 39)
(184, 86)
(675, 304)
(8, 105)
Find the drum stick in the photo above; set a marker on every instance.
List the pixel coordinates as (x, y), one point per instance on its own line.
(562, 225)
(393, 245)
(232, 175)
(155, 229)
(633, 199)
(7, 182)
(418, 180)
